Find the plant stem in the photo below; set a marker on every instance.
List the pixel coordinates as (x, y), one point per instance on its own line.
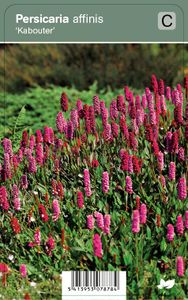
(136, 239)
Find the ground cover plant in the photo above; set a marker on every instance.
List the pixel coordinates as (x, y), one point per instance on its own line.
(104, 189)
(42, 106)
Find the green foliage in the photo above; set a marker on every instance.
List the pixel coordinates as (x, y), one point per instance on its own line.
(42, 105)
(46, 289)
(142, 255)
(80, 65)
(19, 126)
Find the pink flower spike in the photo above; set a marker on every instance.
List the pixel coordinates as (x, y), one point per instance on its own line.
(39, 154)
(24, 182)
(115, 129)
(4, 204)
(16, 199)
(74, 118)
(32, 142)
(135, 221)
(130, 164)
(104, 114)
(181, 154)
(64, 102)
(32, 165)
(50, 245)
(7, 166)
(23, 270)
(92, 119)
(113, 110)
(56, 210)
(87, 183)
(17, 204)
(180, 269)
(129, 188)
(31, 244)
(100, 220)
(172, 171)
(143, 213)
(37, 237)
(162, 180)
(107, 221)
(182, 188)
(168, 93)
(80, 199)
(96, 105)
(107, 132)
(97, 245)
(170, 232)
(39, 137)
(105, 182)
(7, 146)
(144, 101)
(69, 130)
(79, 106)
(90, 222)
(179, 225)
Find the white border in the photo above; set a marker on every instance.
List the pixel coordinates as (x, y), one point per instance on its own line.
(93, 42)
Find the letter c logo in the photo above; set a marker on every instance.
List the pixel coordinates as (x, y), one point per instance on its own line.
(165, 20)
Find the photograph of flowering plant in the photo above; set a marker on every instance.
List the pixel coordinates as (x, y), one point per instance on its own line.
(94, 167)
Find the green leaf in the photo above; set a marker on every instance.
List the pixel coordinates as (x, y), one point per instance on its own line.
(41, 188)
(127, 257)
(163, 245)
(89, 256)
(78, 249)
(111, 268)
(148, 231)
(18, 128)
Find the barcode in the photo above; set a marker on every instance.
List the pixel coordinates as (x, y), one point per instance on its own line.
(79, 285)
(95, 279)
